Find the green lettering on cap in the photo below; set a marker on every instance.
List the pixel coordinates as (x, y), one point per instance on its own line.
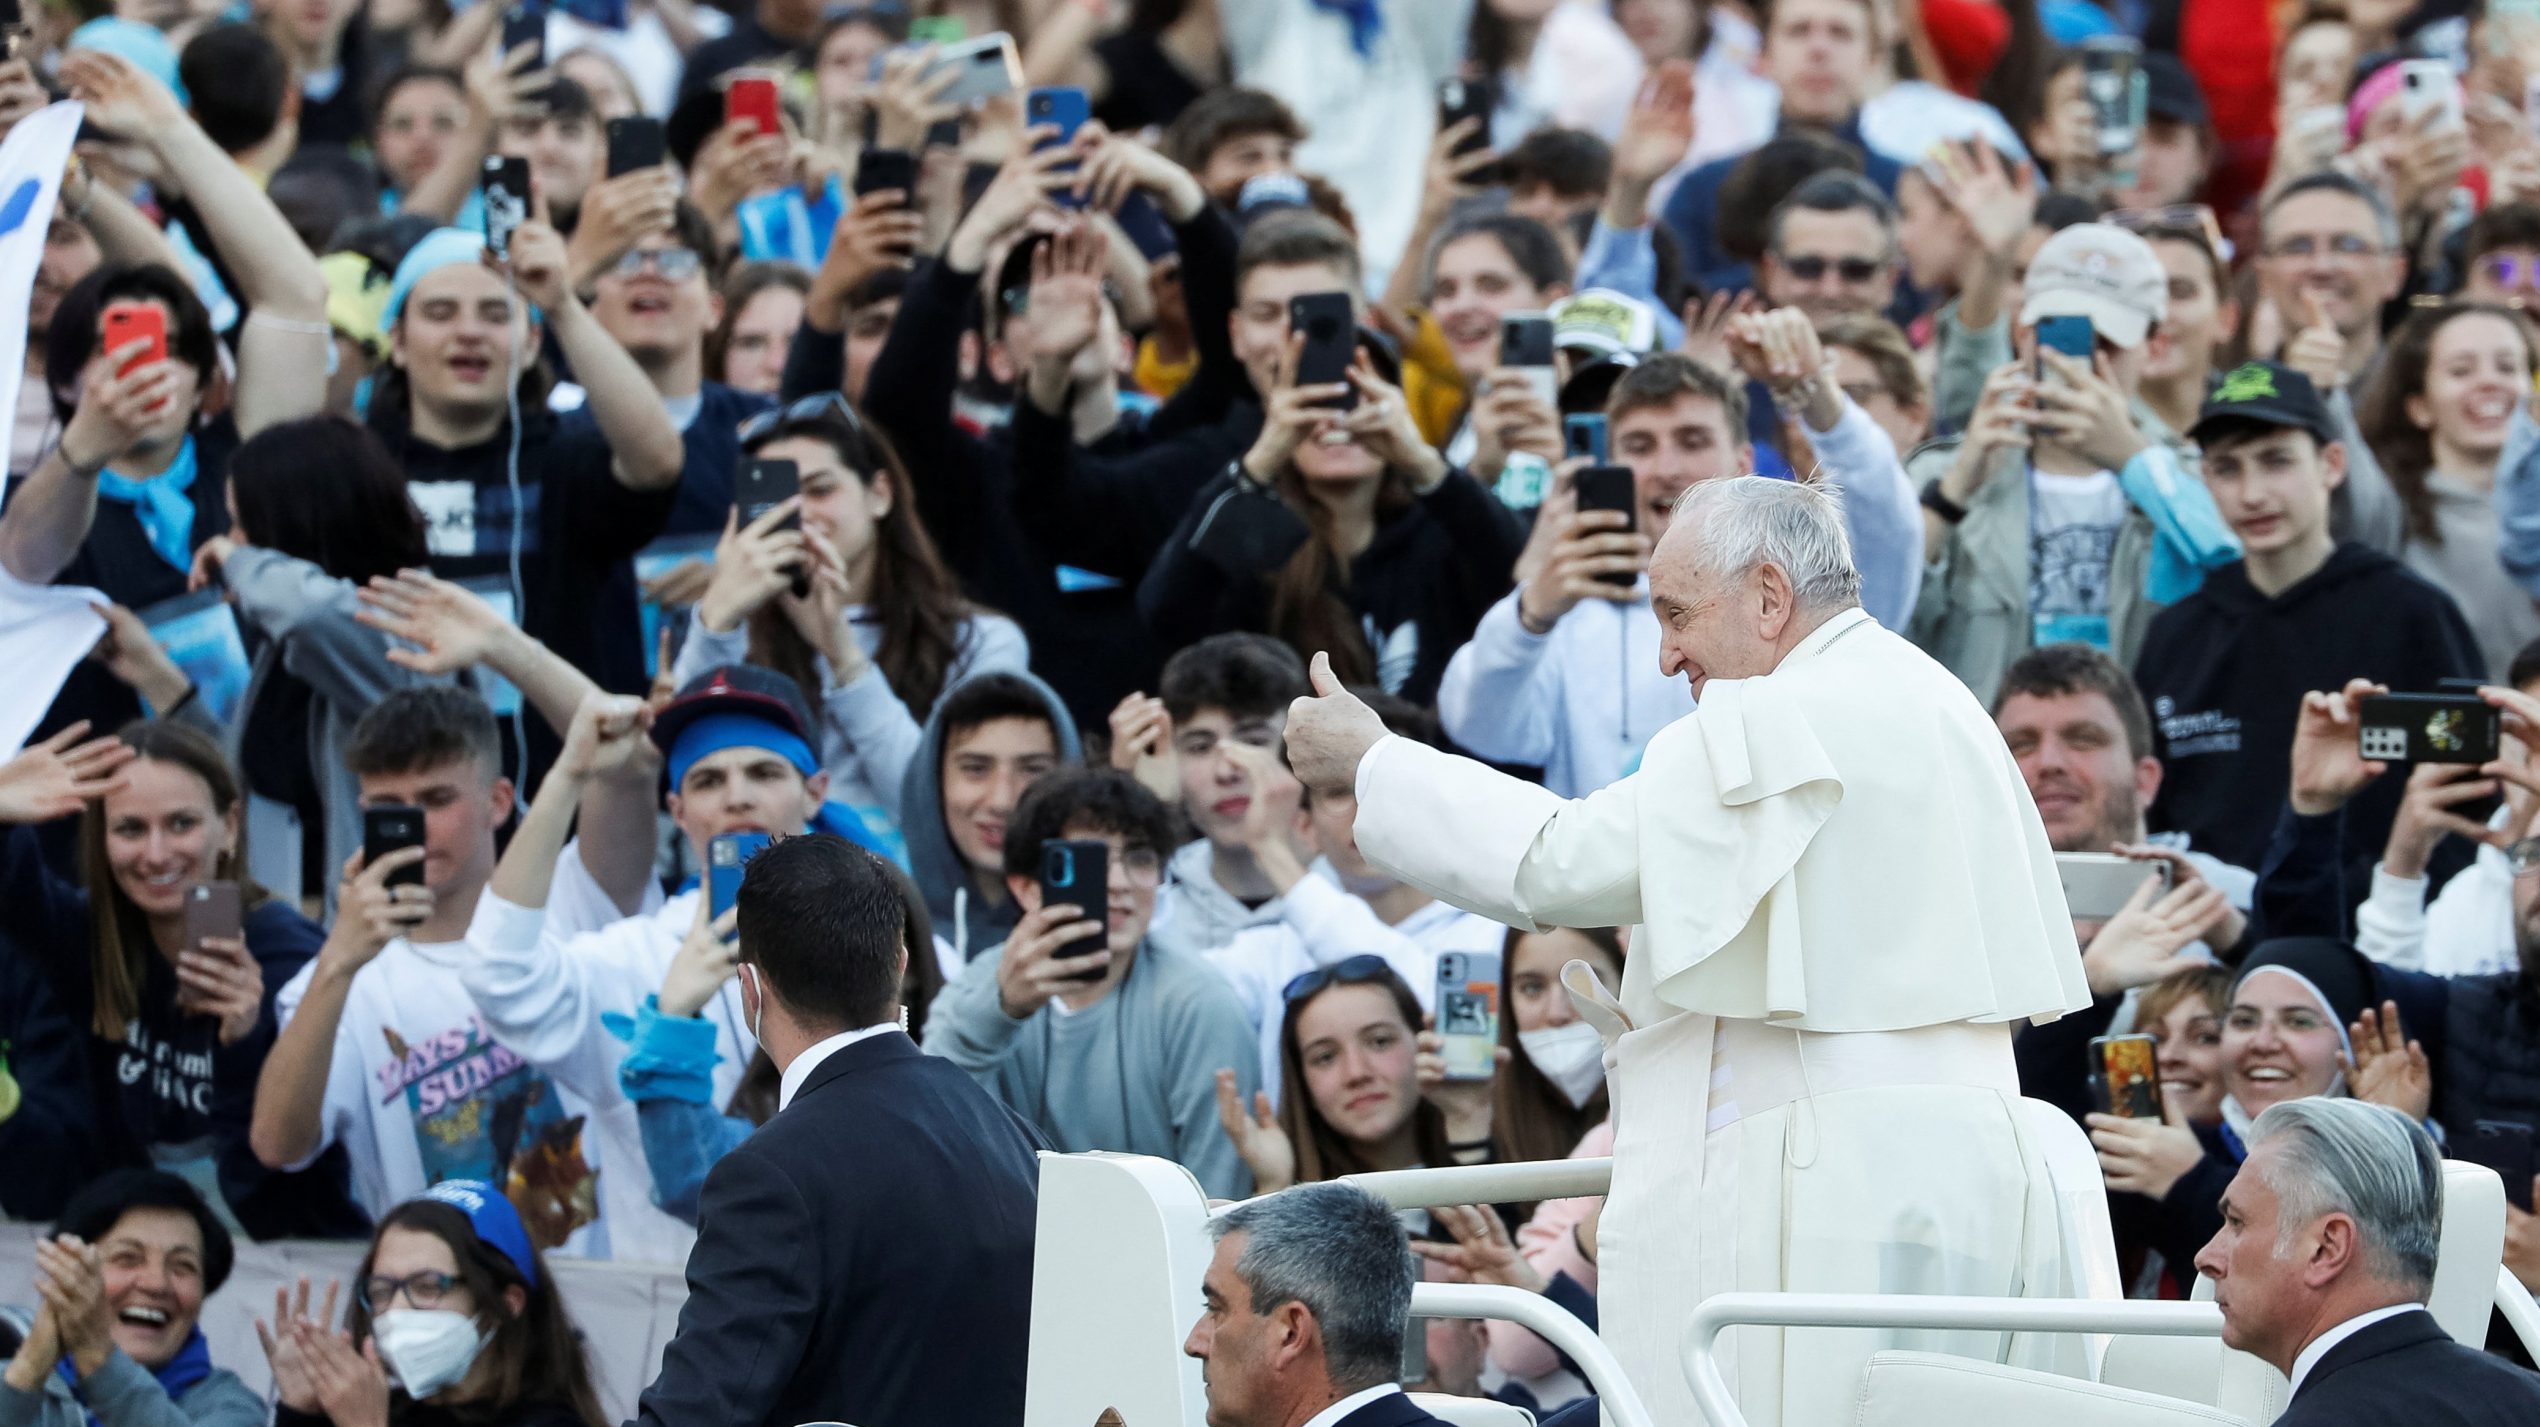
(2248, 382)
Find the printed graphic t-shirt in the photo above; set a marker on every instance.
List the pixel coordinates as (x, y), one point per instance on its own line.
(2074, 522)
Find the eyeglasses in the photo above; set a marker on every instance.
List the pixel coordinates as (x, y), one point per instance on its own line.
(423, 1290)
(810, 408)
(1348, 971)
(2524, 856)
(2506, 270)
(2187, 222)
(2344, 245)
(1809, 267)
(674, 264)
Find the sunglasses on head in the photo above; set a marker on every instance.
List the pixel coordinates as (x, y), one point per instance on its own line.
(809, 408)
(1810, 268)
(1348, 971)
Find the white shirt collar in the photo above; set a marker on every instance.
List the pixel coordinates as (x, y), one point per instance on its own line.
(809, 1061)
(2310, 1356)
(1332, 1415)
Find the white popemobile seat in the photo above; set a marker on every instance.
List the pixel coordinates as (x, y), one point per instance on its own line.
(1123, 1243)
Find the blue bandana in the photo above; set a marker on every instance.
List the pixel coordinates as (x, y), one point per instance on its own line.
(160, 503)
(1366, 22)
(718, 731)
(191, 1365)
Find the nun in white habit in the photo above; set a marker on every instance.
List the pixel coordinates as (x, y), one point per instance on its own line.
(1846, 904)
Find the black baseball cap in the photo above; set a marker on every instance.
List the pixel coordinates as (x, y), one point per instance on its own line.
(2265, 394)
(744, 689)
(2170, 92)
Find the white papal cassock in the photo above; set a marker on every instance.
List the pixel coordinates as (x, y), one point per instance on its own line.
(1845, 901)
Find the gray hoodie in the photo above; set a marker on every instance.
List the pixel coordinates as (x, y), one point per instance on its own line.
(971, 923)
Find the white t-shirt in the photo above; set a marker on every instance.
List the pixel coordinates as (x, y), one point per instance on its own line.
(2073, 525)
(419, 1090)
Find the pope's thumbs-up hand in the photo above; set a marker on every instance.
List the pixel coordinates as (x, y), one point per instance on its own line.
(1328, 732)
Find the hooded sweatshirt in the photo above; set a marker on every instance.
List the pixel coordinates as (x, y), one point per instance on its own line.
(971, 923)
(2224, 671)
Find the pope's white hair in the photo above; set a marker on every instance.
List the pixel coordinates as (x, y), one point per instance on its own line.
(1741, 522)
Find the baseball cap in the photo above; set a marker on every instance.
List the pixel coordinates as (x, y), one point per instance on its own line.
(1604, 323)
(2104, 273)
(2266, 394)
(735, 706)
(2170, 92)
(493, 1218)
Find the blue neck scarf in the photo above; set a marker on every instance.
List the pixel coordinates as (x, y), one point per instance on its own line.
(1366, 22)
(191, 1365)
(165, 512)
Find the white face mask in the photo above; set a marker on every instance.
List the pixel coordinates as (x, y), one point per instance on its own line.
(1571, 1056)
(427, 1348)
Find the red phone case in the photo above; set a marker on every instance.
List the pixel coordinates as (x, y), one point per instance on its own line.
(753, 98)
(126, 321)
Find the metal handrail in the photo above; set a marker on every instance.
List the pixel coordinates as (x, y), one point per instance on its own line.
(1524, 1183)
(1549, 1321)
(1932, 1311)
(2514, 1301)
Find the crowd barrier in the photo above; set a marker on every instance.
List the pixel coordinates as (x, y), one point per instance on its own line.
(626, 1312)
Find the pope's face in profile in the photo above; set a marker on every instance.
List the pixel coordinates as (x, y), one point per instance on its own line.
(1713, 625)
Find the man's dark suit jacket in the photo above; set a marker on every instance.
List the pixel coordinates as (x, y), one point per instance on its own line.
(865, 1257)
(1394, 1409)
(2408, 1370)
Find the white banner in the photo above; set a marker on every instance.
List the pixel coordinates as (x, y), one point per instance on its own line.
(30, 181)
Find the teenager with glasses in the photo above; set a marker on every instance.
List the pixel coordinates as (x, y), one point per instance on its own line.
(884, 629)
(659, 300)
(1117, 1047)
(1362, 1086)
(453, 1317)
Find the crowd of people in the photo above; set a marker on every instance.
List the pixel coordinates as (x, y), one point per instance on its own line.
(2173, 367)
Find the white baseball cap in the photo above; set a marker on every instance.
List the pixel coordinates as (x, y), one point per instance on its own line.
(2101, 272)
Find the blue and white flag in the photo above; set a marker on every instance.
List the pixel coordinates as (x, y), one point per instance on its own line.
(30, 181)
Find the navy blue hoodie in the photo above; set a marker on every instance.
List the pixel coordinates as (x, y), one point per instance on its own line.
(2224, 671)
(169, 1085)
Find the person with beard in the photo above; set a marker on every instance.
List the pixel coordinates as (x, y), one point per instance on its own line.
(2299, 611)
(2082, 738)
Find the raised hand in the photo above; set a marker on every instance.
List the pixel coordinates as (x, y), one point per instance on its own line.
(369, 913)
(1142, 745)
(1998, 200)
(2147, 938)
(217, 977)
(2318, 349)
(1707, 327)
(1066, 294)
(2145, 1156)
(118, 406)
(704, 961)
(118, 96)
(1465, 1104)
(2329, 765)
(617, 213)
(1592, 544)
(1257, 1137)
(1447, 178)
(909, 101)
(352, 1388)
(61, 775)
(1329, 731)
(1481, 1249)
(608, 733)
(1290, 413)
(1115, 166)
(2387, 1067)
(71, 1282)
(2086, 412)
(2427, 815)
(1658, 129)
(1382, 424)
(1021, 188)
(450, 626)
(538, 264)
(1031, 972)
(293, 1382)
(752, 565)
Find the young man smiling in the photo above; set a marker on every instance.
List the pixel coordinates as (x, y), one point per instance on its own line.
(2226, 668)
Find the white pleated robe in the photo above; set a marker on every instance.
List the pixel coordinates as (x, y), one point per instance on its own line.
(1843, 845)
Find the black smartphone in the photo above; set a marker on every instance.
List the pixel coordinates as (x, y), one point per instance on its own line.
(386, 828)
(635, 142)
(1077, 872)
(1459, 100)
(526, 25)
(764, 484)
(215, 909)
(2505, 1147)
(505, 183)
(1609, 488)
(1330, 325)
(881, 170)
(2429, 728)
(1583, 436)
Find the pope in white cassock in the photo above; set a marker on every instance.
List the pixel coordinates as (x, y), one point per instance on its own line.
(1845, 903)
